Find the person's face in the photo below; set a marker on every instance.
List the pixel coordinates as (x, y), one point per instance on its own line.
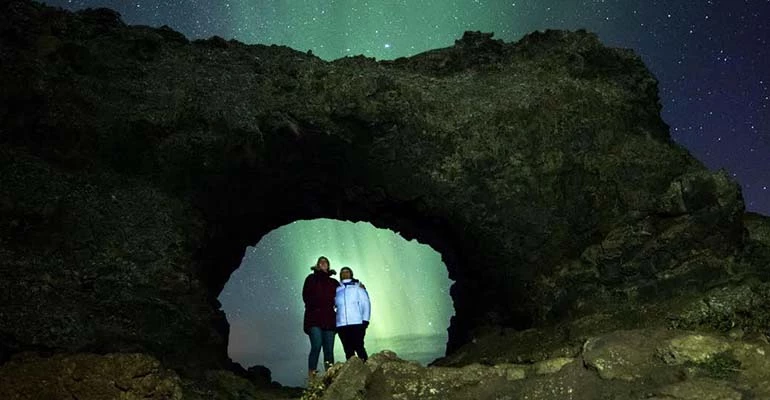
(345, 274)
(323, 264)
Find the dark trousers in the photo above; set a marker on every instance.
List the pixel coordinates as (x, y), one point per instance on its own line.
(352, 337)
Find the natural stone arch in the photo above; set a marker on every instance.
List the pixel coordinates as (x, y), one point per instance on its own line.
(304, 196)
(135, 173)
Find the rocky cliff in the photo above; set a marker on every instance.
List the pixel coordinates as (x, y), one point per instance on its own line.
(136, 166)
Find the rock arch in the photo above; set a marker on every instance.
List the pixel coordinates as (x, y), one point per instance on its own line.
(137, 166)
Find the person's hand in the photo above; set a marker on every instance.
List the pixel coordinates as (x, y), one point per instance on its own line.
(366, 324)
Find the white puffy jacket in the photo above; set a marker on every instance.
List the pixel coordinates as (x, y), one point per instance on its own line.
(352, 303)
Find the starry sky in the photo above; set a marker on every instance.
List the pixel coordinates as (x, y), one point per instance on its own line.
(408, 285)
(710, 56)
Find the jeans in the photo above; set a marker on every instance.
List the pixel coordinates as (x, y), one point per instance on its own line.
(320, 338)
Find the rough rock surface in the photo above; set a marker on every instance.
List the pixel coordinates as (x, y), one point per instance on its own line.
(88, 377)
(632, 364)
(32, 376)
(136, 166)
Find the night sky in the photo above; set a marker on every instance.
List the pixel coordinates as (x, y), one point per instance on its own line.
(407, 283)
(711, 58)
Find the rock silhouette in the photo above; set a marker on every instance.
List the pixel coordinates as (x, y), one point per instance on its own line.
(136, 166)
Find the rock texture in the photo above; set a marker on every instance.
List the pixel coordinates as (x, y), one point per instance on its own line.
(631, 364)
(88, 376)
(136, 166)
(82, 376)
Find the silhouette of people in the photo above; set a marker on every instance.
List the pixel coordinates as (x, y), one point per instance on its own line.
(319, 322)
(353, 311)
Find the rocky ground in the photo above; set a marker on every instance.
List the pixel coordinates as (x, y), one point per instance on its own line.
(626, 364)
(125, 376)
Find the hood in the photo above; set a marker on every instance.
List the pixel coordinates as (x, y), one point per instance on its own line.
(316, 269)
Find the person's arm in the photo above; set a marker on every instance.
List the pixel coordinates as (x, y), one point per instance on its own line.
(366, 307)
(306, 291)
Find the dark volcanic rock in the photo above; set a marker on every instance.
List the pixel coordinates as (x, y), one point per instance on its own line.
(632, 364)
(88, 377)
(136, 167)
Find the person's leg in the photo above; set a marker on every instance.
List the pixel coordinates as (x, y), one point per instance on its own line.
(328, 345)
(315, 349)
(358, 341)
(344, 332)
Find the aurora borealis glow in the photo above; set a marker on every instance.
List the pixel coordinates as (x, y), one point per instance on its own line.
(407, 283)
(334, 29)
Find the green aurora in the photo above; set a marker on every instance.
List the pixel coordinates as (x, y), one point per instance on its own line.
(407, 282)
(384, 30)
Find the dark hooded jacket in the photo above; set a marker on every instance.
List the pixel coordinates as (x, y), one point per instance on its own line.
(318, 293)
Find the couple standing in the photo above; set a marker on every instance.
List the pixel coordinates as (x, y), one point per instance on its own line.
(323, 295)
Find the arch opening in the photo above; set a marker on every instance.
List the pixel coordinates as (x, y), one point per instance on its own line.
(407, 281)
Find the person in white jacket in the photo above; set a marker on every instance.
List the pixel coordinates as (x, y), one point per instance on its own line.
(353, 311)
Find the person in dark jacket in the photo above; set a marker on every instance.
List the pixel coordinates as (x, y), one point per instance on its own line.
(319, 324)
(353, 311)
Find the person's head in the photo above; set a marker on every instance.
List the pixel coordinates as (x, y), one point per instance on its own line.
(346, 273)
(322, 264)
